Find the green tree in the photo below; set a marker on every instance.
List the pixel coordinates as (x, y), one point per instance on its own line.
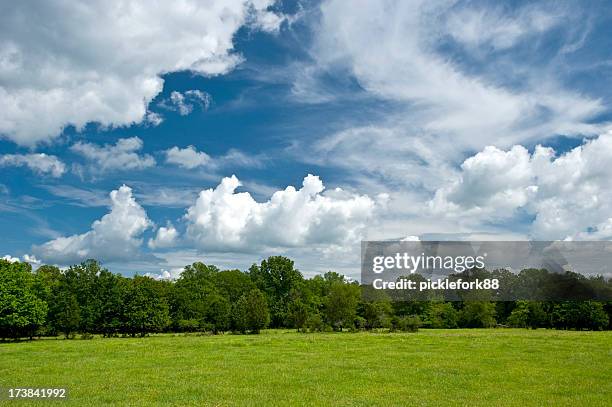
(277, 277)
(68, 315)
(527, 314)
(341, 305)
(579, 315)
(477, 314)
(299, 313)
(441, 315)
(218, 313)
(251, 312)
(376, 313)
(145, 310)
(189, 297)
(22, 313)
(46, 282)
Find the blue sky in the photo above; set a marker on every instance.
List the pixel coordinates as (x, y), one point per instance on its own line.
(435, 119)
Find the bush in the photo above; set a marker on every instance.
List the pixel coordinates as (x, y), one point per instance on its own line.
(188, 325)
(527, 314)
(360, 323)
(251, 312)
(477, 314)
(314, 323)
(441, 315)
(580, 315)
(406, 324)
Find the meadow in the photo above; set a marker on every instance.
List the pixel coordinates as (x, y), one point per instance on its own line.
(488, 367)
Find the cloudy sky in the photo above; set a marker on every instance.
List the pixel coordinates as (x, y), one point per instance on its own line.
(150, 135)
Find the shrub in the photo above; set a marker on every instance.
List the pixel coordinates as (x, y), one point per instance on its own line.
(406, 324)
(314, 323)
(477, 314)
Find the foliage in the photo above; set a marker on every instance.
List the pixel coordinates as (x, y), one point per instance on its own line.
(341, 305)
(22, 313)
(441, 315)
(89, 299)
(251, 312)
(477, 314)
(144, 309)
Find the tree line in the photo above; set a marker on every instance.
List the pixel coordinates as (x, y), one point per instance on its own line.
(88, 299)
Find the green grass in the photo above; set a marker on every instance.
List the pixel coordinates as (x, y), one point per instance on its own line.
(495, 367)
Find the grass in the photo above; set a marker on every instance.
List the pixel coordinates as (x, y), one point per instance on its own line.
(495, 367)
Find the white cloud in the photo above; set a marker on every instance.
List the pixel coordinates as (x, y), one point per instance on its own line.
(492, 179)
(185, 102)
(166, 236)
(121, 156)
(100, 62)
(10, 258)
(190, 158)
(237, 158)
(476, 27)
(39, 163)
(116, 236)
(154, 119)
(171, 275)
(187, 157)
(436, 109)
(224, 220)
(31, 259)
(393, 54)
(569, 195)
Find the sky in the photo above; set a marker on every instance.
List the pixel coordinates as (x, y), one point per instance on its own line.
(153, 135)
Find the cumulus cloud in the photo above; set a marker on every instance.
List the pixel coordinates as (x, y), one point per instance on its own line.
(39, 163)
(123, 155)
(170, 275)
(10, 258)
(166, 237)
(31, 259)
(187, 157)
(569, 195)
(34, 262)
(116, 236)
(185, 102)
(100, 62)
(224, 220)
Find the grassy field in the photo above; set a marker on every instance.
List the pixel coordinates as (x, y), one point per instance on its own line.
(495, 367)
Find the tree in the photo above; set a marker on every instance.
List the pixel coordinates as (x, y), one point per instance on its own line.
(441, 315)
(579, 315)
(376, 313)
(477, 314)
(251, 312)
(341, 305)
(233, 283)
(527, 314)
(277, 277)
(111, 288)
(218, 313)
(68, 315)
(21, 312)
(144, 309)
(47, 280)
(82, 280)
(298, 314)
(190, 295)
